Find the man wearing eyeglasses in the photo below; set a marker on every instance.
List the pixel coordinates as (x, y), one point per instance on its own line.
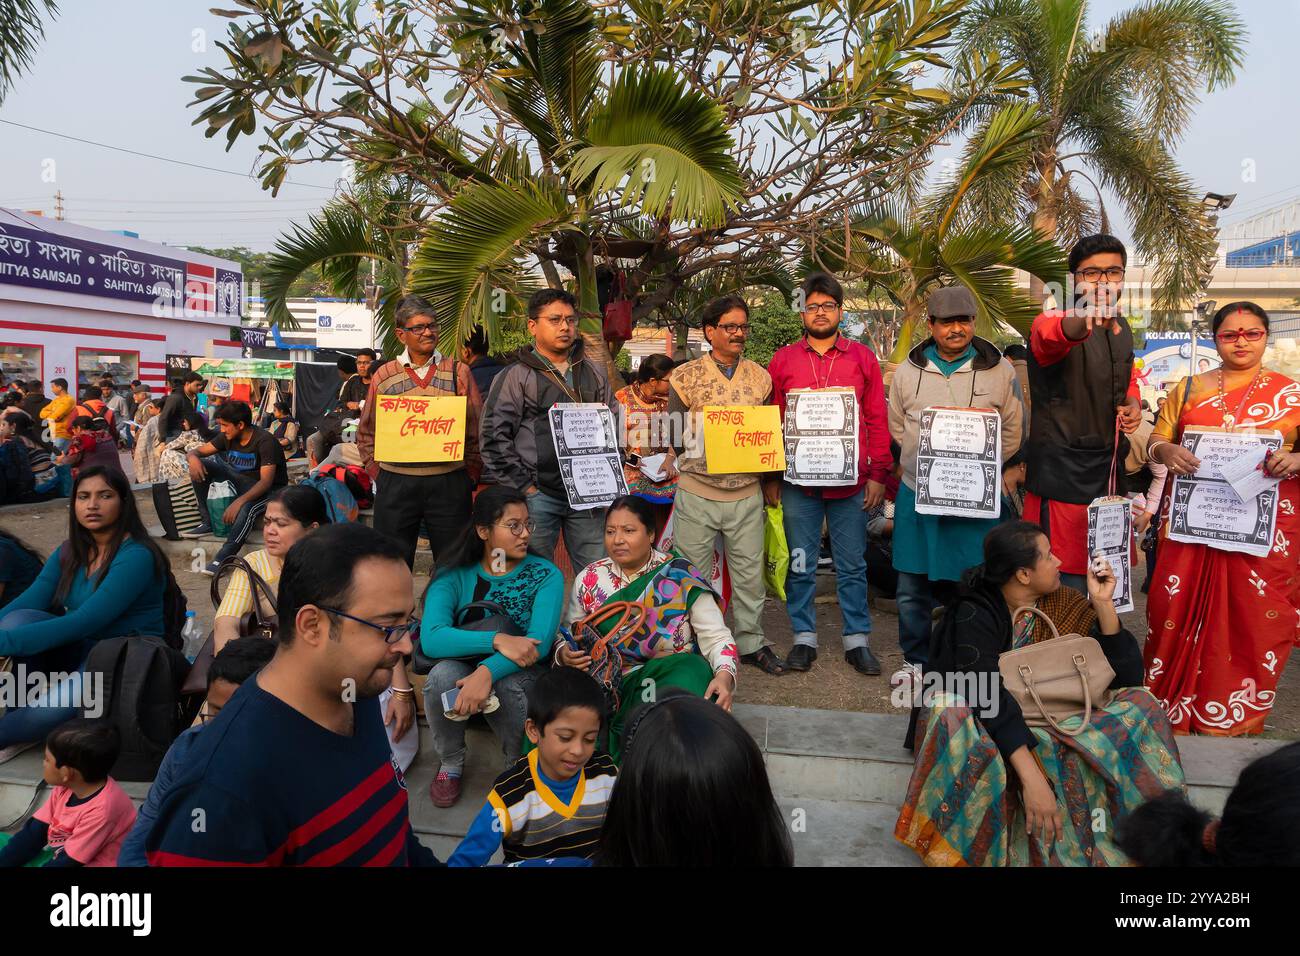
(824, 358)
(709, 503)
(518, 450)
(1084, 392)
(296, 769)
(408, 494)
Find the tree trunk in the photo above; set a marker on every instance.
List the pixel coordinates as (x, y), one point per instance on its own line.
(1046, 214)
(912, 316)
(590, 326)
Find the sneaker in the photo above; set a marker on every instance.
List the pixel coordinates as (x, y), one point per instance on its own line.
(200, 532)
(13, 750)
(211, 569)
(445, 789)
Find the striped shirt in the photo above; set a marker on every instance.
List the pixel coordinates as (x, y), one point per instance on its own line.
(532, 817)
(271, 787)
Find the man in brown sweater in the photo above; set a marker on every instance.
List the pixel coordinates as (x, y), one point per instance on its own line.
(437, 494)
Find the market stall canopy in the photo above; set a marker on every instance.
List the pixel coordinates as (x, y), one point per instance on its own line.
(246, 368)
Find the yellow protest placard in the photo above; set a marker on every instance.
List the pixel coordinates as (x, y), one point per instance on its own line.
(419, 428)
(743, 438)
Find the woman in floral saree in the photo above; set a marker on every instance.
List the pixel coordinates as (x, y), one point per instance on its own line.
(683, 642)
(1222, 623)
(988, 789)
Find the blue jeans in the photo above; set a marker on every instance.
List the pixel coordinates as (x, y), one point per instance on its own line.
(917, 598)
(584, 531)
(249, 515)
(30, 721)
(1077, 581)
(804, 515)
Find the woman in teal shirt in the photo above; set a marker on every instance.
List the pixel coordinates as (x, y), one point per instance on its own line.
(489, 562)
(108, 581)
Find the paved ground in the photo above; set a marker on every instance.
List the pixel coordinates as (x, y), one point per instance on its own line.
(831, 684)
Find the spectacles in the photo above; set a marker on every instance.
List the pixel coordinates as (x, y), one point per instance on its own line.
(735, 330)
(392, 632)
(1231, 335)
(955, 320)
(517, 529)
(822, 308)
(1113, 274)
(421, 330)
(559, 320)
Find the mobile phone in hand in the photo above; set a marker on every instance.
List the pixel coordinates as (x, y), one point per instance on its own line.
(449, 700)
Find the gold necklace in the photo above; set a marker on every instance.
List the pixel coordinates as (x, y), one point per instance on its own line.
(1230, 419)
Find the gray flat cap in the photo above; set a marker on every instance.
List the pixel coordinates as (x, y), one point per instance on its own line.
(951, 300)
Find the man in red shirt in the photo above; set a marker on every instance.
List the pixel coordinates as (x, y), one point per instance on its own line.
(1084, 393)
(824, 359)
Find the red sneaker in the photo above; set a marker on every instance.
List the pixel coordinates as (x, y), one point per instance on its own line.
(445, 789)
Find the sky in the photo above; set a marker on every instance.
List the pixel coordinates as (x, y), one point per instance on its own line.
(115, 78)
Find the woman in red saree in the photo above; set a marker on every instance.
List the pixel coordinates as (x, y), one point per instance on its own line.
(1221, 624)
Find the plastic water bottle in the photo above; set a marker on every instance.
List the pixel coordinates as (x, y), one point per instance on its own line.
(191, 637)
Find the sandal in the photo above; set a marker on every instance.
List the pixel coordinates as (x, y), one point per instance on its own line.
(765, 659)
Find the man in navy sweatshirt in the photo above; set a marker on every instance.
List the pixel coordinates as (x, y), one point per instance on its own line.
(296, 770)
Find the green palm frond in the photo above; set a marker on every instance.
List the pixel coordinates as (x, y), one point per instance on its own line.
(469, 266)
(1165, 52)
(1163, 207)
(21, 30)
(982, 258)
(996, 157)
(338, 240)
(664, 147)
(553, 76)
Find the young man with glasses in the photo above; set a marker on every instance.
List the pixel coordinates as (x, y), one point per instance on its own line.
(824, 358)
(296, 769)
(1084, 393)
(408, 494)
(707, 503)
(518, 450)
(952, 368)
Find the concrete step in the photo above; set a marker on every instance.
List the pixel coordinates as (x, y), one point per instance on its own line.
(838, 776)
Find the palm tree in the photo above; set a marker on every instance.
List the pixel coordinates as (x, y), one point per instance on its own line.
(1115, 104)
(20, 30)
(905, 250)
(360, 241)
(645, 139)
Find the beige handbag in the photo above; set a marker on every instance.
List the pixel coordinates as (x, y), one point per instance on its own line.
(1057, 678)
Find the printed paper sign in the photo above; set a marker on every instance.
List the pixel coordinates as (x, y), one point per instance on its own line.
(586, 447)
(959, 463)
(821, 437)
(1205, 508)
(742, 439)
(412, 429)
(1110, 531)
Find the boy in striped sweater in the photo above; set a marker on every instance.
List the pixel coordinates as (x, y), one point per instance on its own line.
(551, 803)
(437, 494)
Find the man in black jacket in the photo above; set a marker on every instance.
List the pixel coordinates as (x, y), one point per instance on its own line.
(516, 441)
(179, 404)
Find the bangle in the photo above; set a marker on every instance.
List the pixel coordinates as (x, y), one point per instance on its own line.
(403, 693)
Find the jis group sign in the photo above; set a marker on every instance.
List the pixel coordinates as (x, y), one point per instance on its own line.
(40, 259)
(412, 429)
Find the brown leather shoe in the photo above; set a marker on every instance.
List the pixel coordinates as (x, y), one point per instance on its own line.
(445, 789)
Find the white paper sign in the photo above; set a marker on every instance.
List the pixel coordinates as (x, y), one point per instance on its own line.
(1206, 509)
(959, 463)
(821, 437)
(1110, 531)
(1247, 478)
(586, 447)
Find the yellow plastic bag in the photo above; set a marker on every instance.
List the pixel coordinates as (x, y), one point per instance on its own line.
(776, 553)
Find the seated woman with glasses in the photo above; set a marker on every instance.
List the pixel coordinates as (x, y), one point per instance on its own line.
(1222, 622)
(683, 641)
(490, 671)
